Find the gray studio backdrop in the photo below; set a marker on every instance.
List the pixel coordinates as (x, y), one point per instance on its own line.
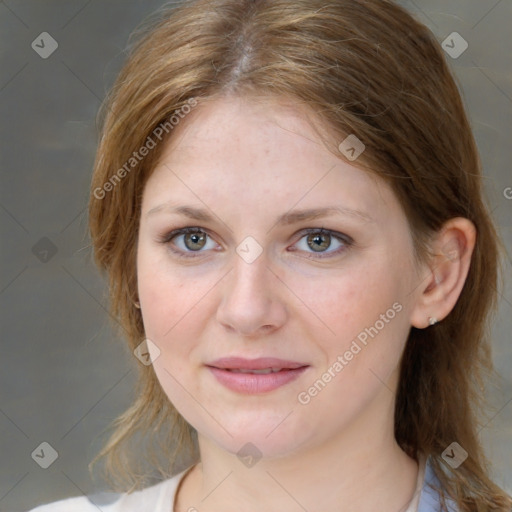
(64, 374)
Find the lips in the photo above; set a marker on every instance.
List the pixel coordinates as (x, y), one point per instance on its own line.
(262, 363)
(254, 376)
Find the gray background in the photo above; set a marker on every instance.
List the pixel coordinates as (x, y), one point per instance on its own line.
(64, 373)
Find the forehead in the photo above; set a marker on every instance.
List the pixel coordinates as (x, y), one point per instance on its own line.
(255, 153)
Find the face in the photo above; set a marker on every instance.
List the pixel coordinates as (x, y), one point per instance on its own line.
(329, 296)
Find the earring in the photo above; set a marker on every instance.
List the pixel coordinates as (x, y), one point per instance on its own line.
(136, 304)
(432, 320)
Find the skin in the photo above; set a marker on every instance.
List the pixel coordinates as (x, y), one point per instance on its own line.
(246, 164)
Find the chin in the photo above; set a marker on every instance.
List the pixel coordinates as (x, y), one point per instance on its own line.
(270, 439)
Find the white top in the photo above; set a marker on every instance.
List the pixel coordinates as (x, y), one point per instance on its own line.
(157, 498)
(160, 497)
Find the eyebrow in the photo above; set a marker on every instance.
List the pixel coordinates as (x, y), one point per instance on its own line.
(290, 217)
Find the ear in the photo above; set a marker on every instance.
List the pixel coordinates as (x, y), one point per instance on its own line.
(446, 272)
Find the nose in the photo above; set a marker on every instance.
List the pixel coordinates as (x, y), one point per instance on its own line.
(252, 301)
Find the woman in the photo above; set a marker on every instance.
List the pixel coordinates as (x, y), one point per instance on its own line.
(287, 201)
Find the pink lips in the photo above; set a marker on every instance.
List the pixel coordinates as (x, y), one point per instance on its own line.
(235, 373)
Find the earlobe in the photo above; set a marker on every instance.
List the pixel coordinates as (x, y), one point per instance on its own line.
(447, 271)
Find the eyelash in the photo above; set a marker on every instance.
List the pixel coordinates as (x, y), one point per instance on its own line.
(345, 239)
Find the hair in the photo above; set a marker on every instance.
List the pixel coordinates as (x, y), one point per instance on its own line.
(362, 67)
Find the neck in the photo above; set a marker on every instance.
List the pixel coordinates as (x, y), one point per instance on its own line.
(359, 484)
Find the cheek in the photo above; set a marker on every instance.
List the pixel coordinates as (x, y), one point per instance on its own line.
(349, 302)
(168, 304)
(370, 329)
(365, 321)
(167, 295)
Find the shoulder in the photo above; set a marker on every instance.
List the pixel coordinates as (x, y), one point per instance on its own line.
(158, 497)
(77, 504)
(430, 499)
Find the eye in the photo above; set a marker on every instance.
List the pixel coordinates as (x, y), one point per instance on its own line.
(193, 239)
(320, 239)
(190, 240)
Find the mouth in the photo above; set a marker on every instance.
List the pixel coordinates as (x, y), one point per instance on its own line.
(263, 371)
(255, 376)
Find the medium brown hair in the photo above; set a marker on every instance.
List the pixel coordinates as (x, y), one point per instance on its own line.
(362, 67)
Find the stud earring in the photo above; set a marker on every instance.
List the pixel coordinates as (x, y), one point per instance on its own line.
(136, 304)
(432, 320)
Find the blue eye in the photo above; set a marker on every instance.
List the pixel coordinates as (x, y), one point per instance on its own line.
(194, 239)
